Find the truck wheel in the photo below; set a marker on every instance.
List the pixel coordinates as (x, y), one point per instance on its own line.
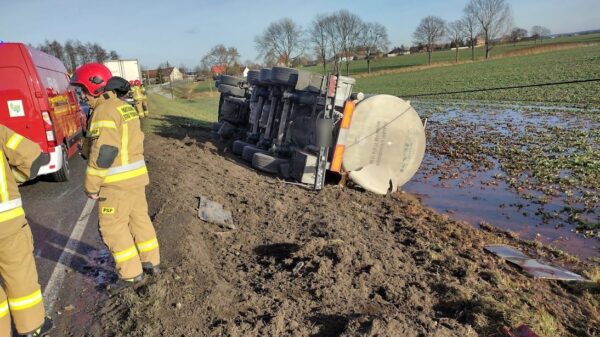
(216, 126)
(253, 77)
(231, 90)
(265, 76)
(227, 130)
(267, 163)
(249, 151)
(238, 147)
(62, 175)
(231, 80)
(284, 76)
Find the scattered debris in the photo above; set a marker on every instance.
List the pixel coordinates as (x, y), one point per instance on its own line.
(297, 268)
(531, 266)
(522, 331)
(69, 307)
(213, 212)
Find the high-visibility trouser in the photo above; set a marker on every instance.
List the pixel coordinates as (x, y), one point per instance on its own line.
(127, 230)
(20, 293)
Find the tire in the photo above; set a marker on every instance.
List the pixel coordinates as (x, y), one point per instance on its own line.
(227, 130)
(267, 163)
(253, 77)
(284, 76)
(232, 91)
(265, 76)
(216, 126)
(238, 147)
(249, 151)
(63, 174)
(231, 80)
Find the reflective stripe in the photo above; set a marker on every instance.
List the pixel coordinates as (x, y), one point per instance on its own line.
(124, 145)
(25, 302)
(3, 182)
(125, 255)
(103, 124)
(12, 214)
(96, 172)
(12, 204)
(125, 175)
(3, 309)
(14, 141)
(147, 246)
(125, 168)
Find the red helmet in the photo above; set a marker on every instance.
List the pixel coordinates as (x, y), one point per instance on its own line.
(138, 83)
(93, 77)
(131, 83)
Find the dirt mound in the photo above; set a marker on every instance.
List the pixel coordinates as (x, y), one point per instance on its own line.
(338, 263)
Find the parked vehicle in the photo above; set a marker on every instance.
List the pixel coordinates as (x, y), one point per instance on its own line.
(128, 69)
(37, 102)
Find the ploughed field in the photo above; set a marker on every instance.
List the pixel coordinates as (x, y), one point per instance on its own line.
(342, 262)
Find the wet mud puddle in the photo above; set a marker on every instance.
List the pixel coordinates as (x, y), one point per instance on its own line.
(536, 173)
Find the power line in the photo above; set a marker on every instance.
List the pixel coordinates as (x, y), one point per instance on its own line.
(503, 88)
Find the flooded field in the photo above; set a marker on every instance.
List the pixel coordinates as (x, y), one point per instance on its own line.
(532, 171)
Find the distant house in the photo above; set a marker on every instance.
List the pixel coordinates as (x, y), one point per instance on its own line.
(397, 52)
(170, 74)
(218, 69)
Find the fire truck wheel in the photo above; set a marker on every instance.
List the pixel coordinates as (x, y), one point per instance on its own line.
(62, 175)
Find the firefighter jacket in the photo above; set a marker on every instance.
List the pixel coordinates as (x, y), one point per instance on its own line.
(137, 93)
(115, 144)
(22, 157)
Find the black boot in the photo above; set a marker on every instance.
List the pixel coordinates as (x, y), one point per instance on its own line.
(150, 269)
(124, 283)
(42, 330)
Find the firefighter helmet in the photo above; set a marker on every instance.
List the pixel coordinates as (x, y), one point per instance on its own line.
(93, 77)
(138, 83)
(131, 83)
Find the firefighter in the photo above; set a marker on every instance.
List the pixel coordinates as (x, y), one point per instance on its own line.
(20, 293)
(144, 97)
(116, 175)
(139, 99)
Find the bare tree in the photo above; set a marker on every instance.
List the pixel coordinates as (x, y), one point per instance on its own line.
(539, 32)
(456, 32)
(71, 55)
(429, 32)
(320, 39)
(98, 54)
(373, 39)
(113, 55)
(281, 41)
(472, 28)
(495, 19)
(347, 30)
(517, 34)
(221, 56)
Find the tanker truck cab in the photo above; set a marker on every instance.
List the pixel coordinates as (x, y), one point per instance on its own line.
(37, 102)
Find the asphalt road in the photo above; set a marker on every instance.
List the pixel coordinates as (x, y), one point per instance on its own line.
(71, 260)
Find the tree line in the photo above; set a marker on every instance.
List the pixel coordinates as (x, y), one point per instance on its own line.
(75, 53)
(490, 19)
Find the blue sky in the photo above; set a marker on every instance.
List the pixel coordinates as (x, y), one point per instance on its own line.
(181, 31)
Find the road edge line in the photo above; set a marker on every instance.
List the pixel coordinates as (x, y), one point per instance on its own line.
(64, 261)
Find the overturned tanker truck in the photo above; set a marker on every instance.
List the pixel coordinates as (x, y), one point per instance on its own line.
(300, 124)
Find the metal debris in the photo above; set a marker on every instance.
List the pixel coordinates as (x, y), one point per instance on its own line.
(533, 267)
(213, 212)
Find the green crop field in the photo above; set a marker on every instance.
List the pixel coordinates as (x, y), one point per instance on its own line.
(389, 63)
(561, 65)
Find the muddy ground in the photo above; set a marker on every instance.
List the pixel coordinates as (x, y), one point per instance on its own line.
(339, 263)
